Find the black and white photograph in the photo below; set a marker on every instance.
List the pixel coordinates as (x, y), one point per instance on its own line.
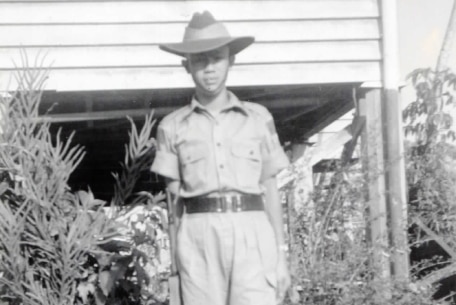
(227, 152)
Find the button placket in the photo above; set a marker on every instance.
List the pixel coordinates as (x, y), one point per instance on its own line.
(218, 152)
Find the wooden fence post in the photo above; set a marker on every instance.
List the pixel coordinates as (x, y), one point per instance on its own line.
(394, 143)
(369, 106)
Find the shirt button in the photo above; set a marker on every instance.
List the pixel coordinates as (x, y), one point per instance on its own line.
(221, 166)
(219, 144)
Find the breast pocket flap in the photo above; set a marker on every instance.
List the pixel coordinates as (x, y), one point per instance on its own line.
(246, 151)
(192, 155)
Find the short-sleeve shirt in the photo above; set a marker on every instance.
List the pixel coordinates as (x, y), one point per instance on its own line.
(233, 150)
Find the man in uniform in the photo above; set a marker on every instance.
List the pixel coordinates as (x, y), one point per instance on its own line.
(221, 157)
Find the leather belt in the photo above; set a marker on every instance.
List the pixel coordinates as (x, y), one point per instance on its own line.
(222, 204)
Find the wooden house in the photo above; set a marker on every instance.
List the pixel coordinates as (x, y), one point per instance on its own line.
(313, 60)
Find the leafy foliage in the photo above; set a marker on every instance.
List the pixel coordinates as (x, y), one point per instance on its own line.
(46, 231)
(331, 254)
(135, 268)
(431, 156)
(139, 154)
(431, 159)
(428, 118)
(431, 179)
(63, 247)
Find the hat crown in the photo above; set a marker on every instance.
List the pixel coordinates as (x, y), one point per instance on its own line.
(201, 20)
(203, 33)
(204, 26)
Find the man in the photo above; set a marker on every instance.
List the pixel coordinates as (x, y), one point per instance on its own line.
(221, 157)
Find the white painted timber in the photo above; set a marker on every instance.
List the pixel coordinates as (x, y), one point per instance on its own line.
(109, 44)
(151, 55)
(36, 12)
(63, 35)
(176, 77)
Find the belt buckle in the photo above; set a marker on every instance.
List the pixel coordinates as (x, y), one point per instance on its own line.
(237, 205)
(224, 204)
(228, 203)
(220, 205)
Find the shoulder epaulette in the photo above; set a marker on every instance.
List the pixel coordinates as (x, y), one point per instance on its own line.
(176, 114)
(258, 109)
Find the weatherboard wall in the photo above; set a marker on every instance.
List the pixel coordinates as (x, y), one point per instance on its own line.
(104, 45)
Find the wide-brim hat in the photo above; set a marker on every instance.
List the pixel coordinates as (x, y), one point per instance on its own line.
(204, 34)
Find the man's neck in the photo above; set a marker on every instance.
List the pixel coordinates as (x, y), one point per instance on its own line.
(213, 102)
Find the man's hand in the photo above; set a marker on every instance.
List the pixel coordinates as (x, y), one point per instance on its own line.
(283, 278)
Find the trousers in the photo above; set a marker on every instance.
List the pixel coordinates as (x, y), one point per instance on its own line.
(227, 259)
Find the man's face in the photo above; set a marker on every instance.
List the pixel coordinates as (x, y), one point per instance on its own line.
(209, 70)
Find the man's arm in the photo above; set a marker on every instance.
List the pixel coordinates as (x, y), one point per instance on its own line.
(275, 214)
(173, 186)
(274, 209)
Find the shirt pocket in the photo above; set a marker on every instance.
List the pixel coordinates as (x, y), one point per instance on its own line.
(193, 165)
(247, 163)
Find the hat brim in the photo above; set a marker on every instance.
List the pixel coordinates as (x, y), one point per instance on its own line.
(236, 45)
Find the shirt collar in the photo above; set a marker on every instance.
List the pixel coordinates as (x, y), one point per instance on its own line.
(233, 103)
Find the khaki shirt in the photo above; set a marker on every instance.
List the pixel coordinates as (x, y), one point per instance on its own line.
(233, 150)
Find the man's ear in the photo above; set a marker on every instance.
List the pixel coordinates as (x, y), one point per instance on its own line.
(232, 58)
(185, 64)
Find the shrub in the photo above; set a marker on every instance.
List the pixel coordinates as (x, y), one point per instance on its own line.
(58, 246)
(431, 156)
(330, 252)
(331, 255)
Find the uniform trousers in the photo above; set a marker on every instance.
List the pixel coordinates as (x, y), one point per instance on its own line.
(227, 258)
